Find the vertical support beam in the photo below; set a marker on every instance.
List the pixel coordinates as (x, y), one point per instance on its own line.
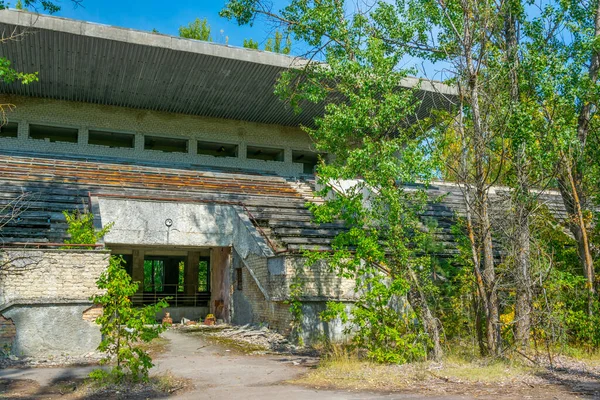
(220, 282)
(83, 136)
(242, 151)
(191, 272)
(138, 143)
(23, 130)
(287, 155)
(137, 271)
(193, 147)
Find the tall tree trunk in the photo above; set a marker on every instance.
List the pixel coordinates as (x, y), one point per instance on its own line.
(418, 303)
(571, 179)
(481, 209)
(481, 299)
(570, 189)
(521, 194)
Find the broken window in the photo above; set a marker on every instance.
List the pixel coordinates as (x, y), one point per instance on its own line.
(217, 149)
(166, 144)
(239, 275)
(264, 153)
(53, 133)
(204, 275)
(308, 159)
(10, 129)
(111, 139)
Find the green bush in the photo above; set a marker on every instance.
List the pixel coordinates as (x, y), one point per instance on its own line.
(124, 326)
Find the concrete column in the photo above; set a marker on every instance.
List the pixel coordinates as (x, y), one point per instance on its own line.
(82, 137)
(192, 147)
(137, 270)
(139, 143)
(23, 133)
(242, 151)
(220, 260)
(191, 273)
(287, 155)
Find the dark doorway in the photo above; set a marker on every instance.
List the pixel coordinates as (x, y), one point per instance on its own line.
(164, 274)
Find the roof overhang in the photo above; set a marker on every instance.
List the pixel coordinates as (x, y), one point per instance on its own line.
(83, 61)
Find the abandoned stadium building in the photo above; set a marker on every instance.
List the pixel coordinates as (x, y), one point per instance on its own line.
(183, 146)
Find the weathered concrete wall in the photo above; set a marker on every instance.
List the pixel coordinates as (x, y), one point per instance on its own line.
(45, 294)
(250, 306)
(139, 222)
(45, 330)
(50, 275)
(86, 117)
(143, 223)
(316, 331)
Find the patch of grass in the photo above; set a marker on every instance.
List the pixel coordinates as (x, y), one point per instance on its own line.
(345, 370)
(158, 345)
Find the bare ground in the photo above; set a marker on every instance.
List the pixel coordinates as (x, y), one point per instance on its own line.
(197, 364)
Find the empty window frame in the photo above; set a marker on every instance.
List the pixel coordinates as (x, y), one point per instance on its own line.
(53, 133)
(308, 159)
(111, 139)
(204, 275)
(154, 275)
(264, 153)
(10, 129)
(217, 149)
(166, 144)
(239, 278)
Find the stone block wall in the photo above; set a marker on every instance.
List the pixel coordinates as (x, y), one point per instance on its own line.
(44, 301)
(251, 306)
(318, 281)
(43, 276)
(85, 117)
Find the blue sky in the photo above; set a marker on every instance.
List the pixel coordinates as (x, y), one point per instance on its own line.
(164, 16)
(168, 17)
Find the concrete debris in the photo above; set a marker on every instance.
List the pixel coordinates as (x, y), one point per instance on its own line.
(256, 336)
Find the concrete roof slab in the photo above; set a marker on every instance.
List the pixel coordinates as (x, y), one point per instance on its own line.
(82, 61)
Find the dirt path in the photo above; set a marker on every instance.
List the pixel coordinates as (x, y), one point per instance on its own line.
(219, 372)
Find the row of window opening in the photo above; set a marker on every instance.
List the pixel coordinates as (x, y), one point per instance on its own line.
(158, 143)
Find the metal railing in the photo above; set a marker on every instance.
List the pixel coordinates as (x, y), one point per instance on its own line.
(177, 295)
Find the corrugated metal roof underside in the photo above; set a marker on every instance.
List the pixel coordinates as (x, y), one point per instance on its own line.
(88, 69)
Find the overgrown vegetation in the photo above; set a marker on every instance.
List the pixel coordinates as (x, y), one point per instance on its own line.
(81, 229)
(124, 326)
(126, 329)
(521, 278)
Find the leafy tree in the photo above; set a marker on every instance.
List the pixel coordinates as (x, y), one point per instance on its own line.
(198, 29)
(274, 44)
(124, 326)
(565, 73)
(368, 137)
(81, 229)
(250, 44)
